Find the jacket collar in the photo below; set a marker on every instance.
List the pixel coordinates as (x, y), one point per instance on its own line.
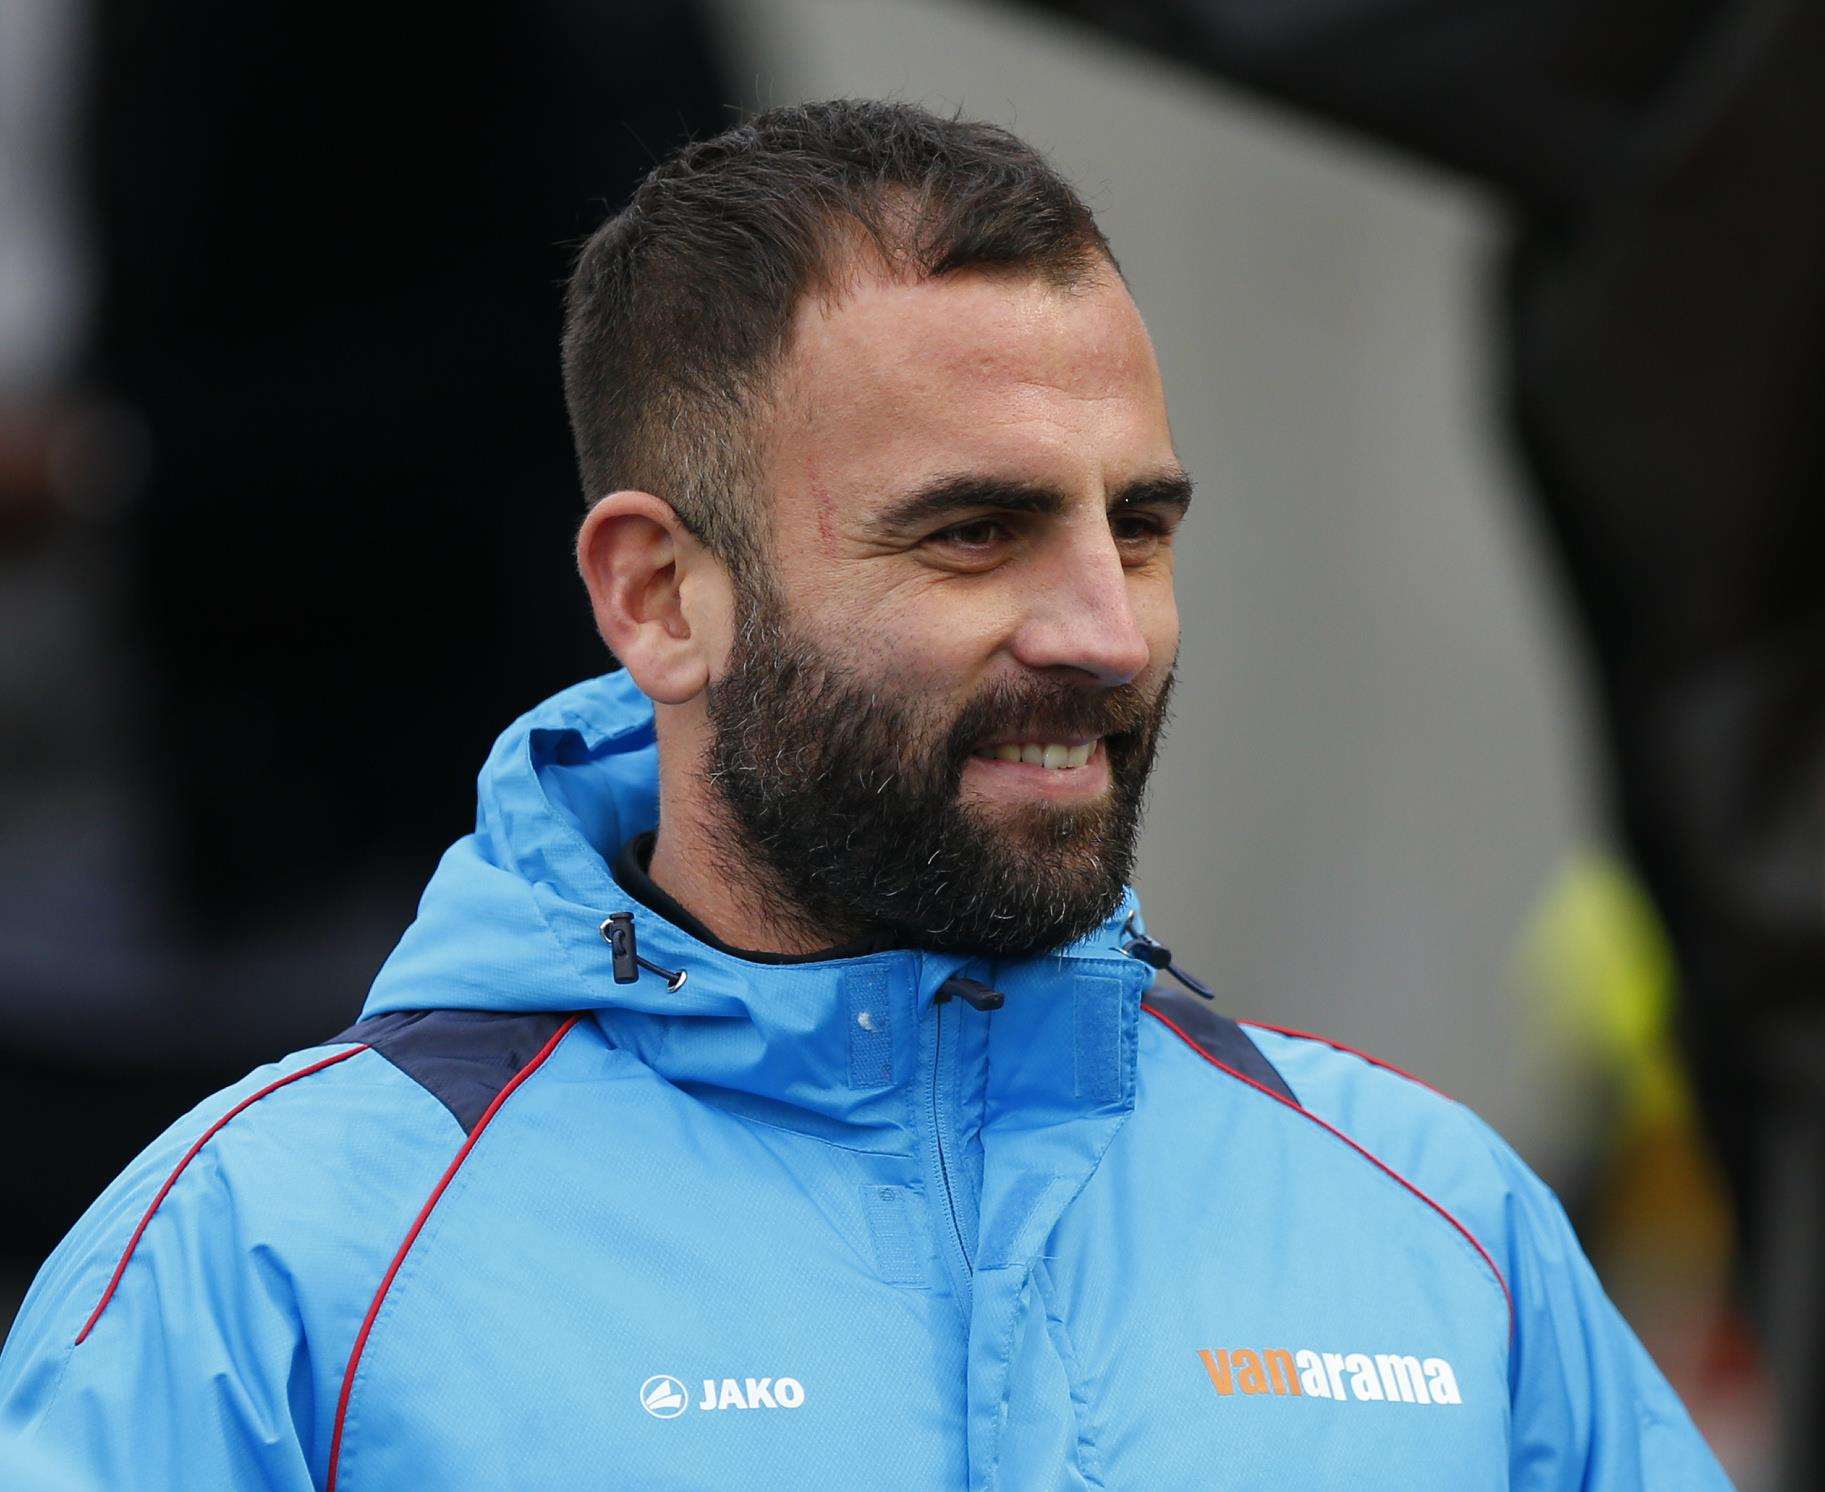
(630, 872)
(513, 920)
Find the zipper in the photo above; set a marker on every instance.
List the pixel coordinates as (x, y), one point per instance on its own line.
(944, 1170)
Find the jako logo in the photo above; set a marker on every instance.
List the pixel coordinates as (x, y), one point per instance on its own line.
(663, 1397)
(1387, 1377)
(752, 1393)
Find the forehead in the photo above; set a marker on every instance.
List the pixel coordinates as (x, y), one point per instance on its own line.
(1000, 372)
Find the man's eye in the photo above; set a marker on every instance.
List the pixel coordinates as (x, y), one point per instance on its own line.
(978, 533)
(1135, 528)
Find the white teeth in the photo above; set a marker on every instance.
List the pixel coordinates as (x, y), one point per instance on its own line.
(1052, 755)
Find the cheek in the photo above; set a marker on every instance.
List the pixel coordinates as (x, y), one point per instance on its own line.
(1165, 639)
(933, 632)
(939, 655)
(1156, 613)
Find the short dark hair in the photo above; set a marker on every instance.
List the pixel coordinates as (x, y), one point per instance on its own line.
(680, 306)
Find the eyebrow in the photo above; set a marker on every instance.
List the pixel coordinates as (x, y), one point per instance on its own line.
(968, 492)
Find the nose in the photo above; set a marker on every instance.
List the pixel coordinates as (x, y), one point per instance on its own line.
(1081, 616)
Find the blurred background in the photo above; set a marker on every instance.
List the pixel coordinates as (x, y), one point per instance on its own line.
(1492, 332)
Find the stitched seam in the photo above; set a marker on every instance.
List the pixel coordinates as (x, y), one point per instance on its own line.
(1169, 1000)
(926, 1120)
(786, 1129)
(411, 1263)
(1006, 1353)
(1119, 1122)
(195, 1149)
(1089, 1460)
(410, 1268)
(1338, 1046)
(1485, 1265)
(1131, 1097)
(452, 1177)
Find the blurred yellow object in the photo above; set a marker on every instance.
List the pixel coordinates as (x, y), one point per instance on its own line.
(1598, 973)
(1596, 962)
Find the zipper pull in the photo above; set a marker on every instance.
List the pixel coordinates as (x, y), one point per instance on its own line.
(971, 991)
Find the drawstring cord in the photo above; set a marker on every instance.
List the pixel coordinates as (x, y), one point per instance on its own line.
(972, 992)
(618, 933)
(1157, 955)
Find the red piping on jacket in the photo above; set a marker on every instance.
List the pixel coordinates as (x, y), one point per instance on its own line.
(190, 1155)
(424, 1213)
(1368, 1155)
(1344, 1046)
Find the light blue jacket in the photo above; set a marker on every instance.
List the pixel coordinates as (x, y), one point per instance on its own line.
(811, 1225)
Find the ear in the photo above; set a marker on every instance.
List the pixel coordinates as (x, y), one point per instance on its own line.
(655, 593)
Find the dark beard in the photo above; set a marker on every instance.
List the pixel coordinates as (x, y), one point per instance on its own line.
(844, 819)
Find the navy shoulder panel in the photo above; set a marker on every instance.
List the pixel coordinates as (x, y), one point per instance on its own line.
(462, 1058)
(1217, 1035)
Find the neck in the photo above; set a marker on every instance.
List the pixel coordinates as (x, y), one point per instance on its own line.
(730, 894)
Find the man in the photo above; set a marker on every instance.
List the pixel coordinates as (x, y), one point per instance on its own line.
(835, 1134)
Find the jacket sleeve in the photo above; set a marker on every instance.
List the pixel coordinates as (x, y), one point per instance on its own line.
(187, 1379)
(1590, 1409)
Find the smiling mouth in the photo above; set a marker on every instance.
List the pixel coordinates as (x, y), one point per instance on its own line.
(1055, 756)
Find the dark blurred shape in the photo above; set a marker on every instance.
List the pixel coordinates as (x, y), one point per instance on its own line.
(330, 251)
(1668, 371)
(1544, 98)
(1666, 351)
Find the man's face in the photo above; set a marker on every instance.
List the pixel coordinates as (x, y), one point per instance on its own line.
(972, 496)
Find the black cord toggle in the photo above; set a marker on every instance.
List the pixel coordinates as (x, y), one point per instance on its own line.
(1154, 955)
(972, 991)
(1157, 955)
(618, 933)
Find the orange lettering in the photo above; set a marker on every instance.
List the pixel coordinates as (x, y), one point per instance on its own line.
(1280, 1367)
(1218, 1368)
(1249, 1373)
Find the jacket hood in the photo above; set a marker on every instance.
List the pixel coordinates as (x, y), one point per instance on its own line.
(512, 919)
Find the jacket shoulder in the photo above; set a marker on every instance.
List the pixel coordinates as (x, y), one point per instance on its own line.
(464, 1059)
(323, 1138)
(1429, 1143)
(241, 1250)
(1369, 1097)
(328, 1143)
(1436, 1143)
(1400, 1118)
(227, 1257)
(1588, 1406)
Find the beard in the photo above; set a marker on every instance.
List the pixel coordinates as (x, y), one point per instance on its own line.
(844, 816)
